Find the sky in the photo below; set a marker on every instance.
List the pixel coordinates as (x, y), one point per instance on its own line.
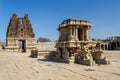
(46, 15)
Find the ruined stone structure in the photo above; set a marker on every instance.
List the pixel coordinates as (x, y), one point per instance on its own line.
(73, 41)
(111, 43)
(20, 36)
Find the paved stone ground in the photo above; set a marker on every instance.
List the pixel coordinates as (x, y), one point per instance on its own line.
(19, 66)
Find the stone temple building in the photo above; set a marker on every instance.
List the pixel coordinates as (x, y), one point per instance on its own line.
(20, 36)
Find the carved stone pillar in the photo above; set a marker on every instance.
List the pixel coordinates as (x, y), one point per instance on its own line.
(86, 34)
(71, 35)
(74, 31)
(70, 31)
(104, 47)
(115, 45)
(110, 46)
(76, 35)
(107, 46)
(59, 33)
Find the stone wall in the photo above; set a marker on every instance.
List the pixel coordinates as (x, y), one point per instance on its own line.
(45, 47)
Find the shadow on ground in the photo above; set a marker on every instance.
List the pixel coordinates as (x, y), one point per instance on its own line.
(51, 58)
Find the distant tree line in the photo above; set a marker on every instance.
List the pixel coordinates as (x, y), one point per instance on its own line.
(42, 39)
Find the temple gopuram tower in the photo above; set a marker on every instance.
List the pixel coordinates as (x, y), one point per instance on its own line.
(20, 36)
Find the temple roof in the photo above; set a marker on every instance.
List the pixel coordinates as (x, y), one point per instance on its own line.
(75, 22)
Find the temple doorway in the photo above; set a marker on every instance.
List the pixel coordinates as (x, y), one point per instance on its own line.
(22, 46)
(80, 34)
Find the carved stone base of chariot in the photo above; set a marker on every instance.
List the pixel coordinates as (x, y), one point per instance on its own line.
(85, 57)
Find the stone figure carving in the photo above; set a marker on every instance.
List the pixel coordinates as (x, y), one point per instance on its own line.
(98, 57)
(84, 57)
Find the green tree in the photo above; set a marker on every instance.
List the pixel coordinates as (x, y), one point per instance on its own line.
(42, 39)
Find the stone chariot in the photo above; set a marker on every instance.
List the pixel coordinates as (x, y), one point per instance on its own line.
(74, 42)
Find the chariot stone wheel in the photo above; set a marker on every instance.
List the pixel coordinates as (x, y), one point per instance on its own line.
(65, 53)
(58, 54)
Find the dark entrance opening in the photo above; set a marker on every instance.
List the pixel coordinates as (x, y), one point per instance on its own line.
(113, 46)
(106, 48)
(102, 46)
(118, 45)
(79, 34)
(22, 46)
